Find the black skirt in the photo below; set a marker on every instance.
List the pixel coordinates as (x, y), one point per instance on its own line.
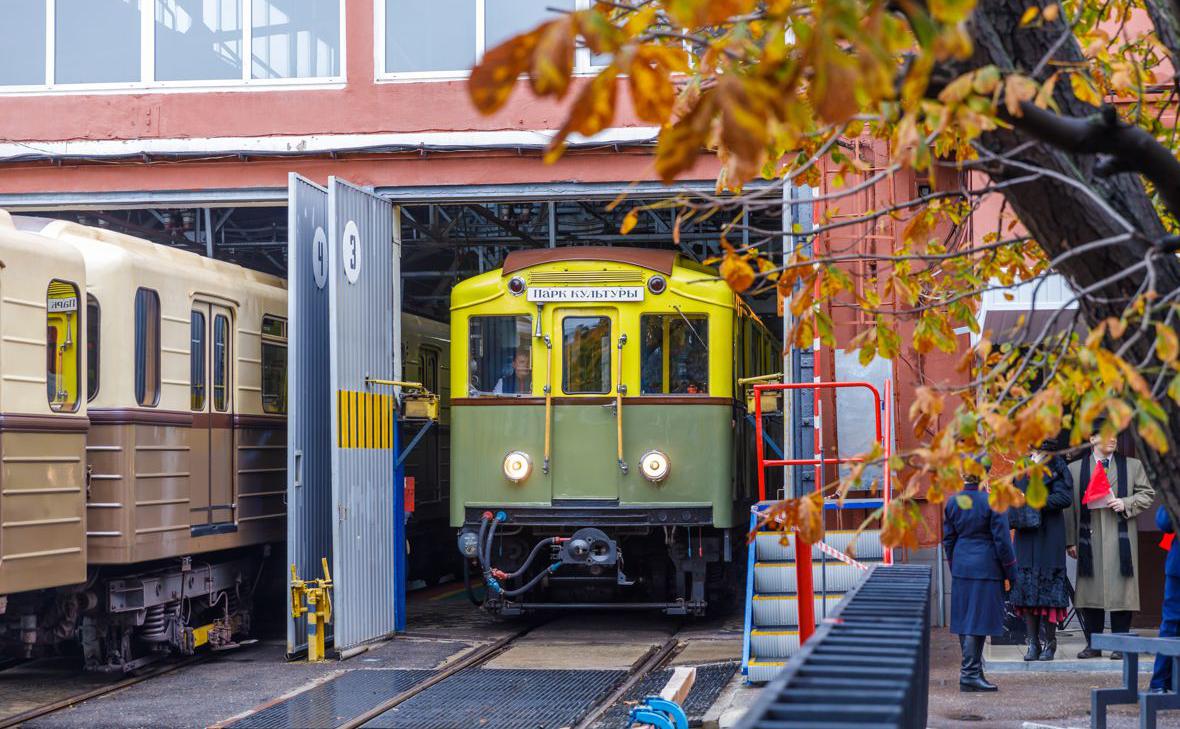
(977, 606)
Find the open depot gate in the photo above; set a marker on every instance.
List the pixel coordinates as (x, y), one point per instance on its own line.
(343, 499)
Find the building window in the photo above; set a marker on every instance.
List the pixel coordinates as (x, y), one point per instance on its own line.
(674, 356)
(196, 361)
(221, 363)
(585, 355)
(63, 380)
(93, 336)
(445, 38)
(147, 347)
(274, 365)
(135, 44)
(22, 36)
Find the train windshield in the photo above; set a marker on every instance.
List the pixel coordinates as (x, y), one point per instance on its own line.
(675, 354)
(500, 354)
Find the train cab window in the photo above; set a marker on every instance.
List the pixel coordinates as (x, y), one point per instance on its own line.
(585, 355)
(93, 332)
(274, 365)
(147, 347)
(675, 354)
(63, 381)
(428, 368)
(196, 362)
(500, 355)
(221, 363)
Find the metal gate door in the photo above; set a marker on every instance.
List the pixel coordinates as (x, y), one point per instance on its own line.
(364, 340)
(309, 458)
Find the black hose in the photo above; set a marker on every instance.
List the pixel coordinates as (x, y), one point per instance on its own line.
(467, 583)
(527, 586)
(483, 530)
(532, 555)
(487, 548)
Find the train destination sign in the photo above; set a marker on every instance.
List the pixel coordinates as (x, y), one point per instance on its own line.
(585, 293)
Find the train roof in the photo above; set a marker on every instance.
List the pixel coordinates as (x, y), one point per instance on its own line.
(661, 261)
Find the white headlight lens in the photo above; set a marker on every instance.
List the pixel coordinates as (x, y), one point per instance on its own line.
(517, 466)
(654, 466)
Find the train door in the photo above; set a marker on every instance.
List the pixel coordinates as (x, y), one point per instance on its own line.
(585, 426)
(211, 368)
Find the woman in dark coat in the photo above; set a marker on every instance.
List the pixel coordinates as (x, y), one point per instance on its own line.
(1039, 591)
(978, 546)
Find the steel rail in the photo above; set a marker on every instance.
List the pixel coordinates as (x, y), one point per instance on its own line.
(655, 659)
(94, 693)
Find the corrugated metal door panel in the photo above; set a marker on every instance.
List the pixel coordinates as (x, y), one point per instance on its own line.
(309, 460)
(364, 276)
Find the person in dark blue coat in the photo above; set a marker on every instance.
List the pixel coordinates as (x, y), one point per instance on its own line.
(1161, 678)
(978, 547)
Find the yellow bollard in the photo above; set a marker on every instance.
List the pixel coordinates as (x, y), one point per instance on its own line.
(318, 609)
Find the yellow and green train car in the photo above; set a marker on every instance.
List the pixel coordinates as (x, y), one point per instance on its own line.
(599, 437)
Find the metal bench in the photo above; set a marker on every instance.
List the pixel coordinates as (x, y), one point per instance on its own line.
(1149, 704)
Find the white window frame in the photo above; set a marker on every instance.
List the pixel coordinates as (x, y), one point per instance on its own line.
(581, 54)
(147, 63)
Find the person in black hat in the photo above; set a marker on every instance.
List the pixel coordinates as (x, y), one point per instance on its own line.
(1110, 490)
(978, 547)
(1040, 591)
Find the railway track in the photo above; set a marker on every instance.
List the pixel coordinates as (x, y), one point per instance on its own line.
(75, 699)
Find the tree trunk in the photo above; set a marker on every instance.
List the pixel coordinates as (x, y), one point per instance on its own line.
(1062, 216)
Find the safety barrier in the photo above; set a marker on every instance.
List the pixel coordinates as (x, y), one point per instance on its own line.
(883, 420)
(867, 665)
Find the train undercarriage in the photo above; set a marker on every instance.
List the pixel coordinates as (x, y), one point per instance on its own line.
(679, 569)
(121, 620)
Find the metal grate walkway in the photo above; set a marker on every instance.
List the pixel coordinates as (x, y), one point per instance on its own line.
(332, 703)
(710, 681)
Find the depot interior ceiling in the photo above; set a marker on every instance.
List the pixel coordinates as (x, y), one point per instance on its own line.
(445, 243)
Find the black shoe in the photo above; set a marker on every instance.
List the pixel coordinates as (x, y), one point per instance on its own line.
(1032, 626)
(1049, 646)
(977, 684)
(1155, 690)
(1116, 655)
(1033, 652)
(1089, 652)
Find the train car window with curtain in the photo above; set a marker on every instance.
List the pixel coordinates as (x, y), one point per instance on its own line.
(196, 365)
(63, 381)
(585, 355)
(93, 336)
(675, 354)
(147, 347)
(500, 355)
(274, 365)
(221, 363)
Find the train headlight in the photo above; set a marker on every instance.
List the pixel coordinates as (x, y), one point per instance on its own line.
(517, 466)
(654, 466)
(516, 286)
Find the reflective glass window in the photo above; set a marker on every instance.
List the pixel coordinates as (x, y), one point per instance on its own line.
(221, 363)
(96, 41)
(198, 40)
(675, 354)
(147, 347)
(22, 36)
(506, 18)
(295, 39)
(434, 36)
(274, 365)
(196, 349)
(585, 355)
(500, 353)
(93, 337)
(63, 380)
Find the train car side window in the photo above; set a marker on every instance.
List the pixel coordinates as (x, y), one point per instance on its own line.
(196, 366)
(500, 354)
(147, 347)
(585, 355)
(93, 336)
(274, 365)
(428, 367)
(63, 381)
(675, 354)
(221, 363)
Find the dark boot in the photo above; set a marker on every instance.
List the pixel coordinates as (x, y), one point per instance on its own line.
(971, 677)
(1032, 630)
(1049, 644)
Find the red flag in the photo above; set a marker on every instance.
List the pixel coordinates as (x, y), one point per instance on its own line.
(1166, 542)
(1099, 487)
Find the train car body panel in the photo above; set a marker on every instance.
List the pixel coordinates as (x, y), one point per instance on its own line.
(42, 434)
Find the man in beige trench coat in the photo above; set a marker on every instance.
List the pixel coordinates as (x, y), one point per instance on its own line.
(1105, 540)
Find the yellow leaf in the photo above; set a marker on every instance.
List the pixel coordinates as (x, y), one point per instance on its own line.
(737, 272)
(592, 111)
(1018, 88)
(1167, 345)
(629, 221)
(652, 92)
(1083, 89)
(1120, 413)
(553, 59)
(1051, 12)
(492, 80)
(1045, 96)
(1174, 389)
(1153, 434)
(680, 144)
(963, 501)
(834, 94)
(1030, 14)
(1037, 494)
(958, 90)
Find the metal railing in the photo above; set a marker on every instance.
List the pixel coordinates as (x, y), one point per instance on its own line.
(869, 664)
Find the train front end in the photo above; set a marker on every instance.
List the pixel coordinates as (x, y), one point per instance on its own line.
(593, 452)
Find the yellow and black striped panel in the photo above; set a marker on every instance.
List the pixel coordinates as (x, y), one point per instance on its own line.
(365, 419)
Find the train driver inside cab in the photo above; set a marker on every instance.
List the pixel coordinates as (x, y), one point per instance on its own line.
(520, 380)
